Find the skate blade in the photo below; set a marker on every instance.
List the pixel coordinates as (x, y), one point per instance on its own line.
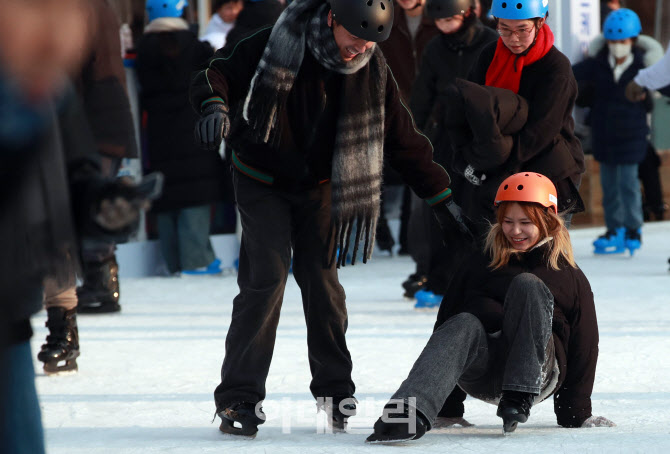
(510, 427)
(382, 441)
(609, 251)
(69, 368)
(228, 428)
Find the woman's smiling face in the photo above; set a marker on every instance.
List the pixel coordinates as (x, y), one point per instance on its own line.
(520, 232)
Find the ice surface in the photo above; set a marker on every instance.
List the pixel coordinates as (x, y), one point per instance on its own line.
(146, 376)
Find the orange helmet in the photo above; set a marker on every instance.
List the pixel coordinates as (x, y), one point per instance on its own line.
(528, 187)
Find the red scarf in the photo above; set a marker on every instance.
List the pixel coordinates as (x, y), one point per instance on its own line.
(506, 67)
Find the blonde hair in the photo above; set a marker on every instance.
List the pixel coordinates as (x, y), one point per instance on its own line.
(550, 225)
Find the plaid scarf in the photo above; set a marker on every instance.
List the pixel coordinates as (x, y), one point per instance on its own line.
(358, 154)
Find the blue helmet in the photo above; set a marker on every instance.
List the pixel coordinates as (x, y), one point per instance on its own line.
(519, 9)
(622, 24)
(165, 8)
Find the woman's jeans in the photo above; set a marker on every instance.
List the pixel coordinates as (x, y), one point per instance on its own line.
(484, 365)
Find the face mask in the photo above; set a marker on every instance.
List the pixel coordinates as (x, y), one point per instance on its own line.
(619, 50)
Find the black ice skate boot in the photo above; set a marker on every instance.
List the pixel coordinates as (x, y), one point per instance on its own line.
(514, 408)
(413, 284)
(100, 291)
(62, 343)
(338, 410)
(241, 419)
(396, 426)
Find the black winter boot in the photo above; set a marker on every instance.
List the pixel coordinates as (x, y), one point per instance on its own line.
(246, 417)
(413, 284)
(100, 291)
(62, 343)
(395, 426)
(514, 408)
(338, 410)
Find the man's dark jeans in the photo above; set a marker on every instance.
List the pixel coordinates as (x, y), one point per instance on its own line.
(273, 223)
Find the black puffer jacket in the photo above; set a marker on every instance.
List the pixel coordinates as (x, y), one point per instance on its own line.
(547, 143)
(480, 291)
(193, 176)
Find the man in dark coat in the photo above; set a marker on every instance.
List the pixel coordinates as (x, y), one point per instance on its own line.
(403, 50)
(254, 15)
(448, 56)
(314, 111)
(167, 54)
(102, 87)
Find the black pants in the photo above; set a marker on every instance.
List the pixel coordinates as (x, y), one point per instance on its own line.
(273, 222)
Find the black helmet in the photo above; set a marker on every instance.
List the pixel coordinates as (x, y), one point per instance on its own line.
(370, 20)
(438, 9)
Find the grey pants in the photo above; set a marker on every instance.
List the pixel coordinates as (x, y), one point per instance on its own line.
(461, 352)
(184, 238)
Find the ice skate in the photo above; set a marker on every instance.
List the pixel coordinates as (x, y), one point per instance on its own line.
(59, 353)
(212, 268)
(338, 410)
(514, 408)
(425, 299)
(413, 284)
(100, 291)
(398, 427)
(633, 240)
(241, 419)
(612, 242)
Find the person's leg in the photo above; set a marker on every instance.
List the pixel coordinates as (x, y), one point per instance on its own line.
(529, 309)
(405, 213)
(167, 236)
(100, 291)
(322, 295)
(195, 247)
(265, 256)
(457, 350)
(609, 181)
(60, 351)
(631, 197)
(21, 421)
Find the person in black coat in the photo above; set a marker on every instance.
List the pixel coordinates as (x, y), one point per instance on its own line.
(517, 325)
(619, 128)
(314, 112)
(255, 14)
(447, 56)
(167, 54)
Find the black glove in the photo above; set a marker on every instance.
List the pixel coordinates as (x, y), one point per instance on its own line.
(450, 217)
(213, 126)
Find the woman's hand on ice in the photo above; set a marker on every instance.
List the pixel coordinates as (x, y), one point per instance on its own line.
(598, 421)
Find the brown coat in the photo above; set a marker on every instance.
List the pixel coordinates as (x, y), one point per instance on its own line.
(403, 54)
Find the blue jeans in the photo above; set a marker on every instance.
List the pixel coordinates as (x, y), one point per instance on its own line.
(21, 421)
(622, 199)
(184, 238)
(483, 365)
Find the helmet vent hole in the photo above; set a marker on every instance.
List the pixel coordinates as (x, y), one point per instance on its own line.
(526, 175)
(519, 188)
(364, 24)
(380, 28)
(519, 6)
(369, 2)
(383, 7)
(165, 5)
(506, 186)
(504, 4)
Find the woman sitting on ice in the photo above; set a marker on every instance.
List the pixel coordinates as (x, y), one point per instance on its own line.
(516, 326)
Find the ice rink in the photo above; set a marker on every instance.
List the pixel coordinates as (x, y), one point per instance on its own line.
(146, 375)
